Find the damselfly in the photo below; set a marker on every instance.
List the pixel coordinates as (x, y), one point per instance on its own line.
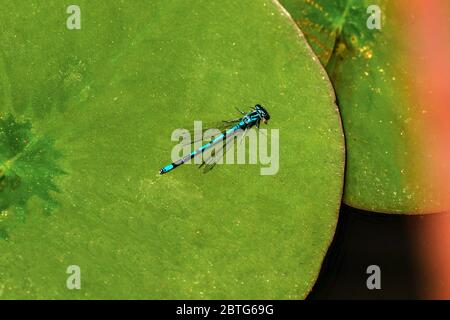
(233, 127)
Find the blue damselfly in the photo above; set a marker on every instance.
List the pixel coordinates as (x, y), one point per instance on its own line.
(232, 128)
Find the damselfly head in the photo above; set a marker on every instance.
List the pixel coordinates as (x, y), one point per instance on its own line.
(264, 115)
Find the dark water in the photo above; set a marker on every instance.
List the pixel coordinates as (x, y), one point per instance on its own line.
(363, 239)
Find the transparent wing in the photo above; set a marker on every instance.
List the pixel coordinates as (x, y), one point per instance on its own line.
(209, 163)
(221, 126)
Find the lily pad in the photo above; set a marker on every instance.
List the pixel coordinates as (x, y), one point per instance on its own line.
(391, 164)
(108, 97)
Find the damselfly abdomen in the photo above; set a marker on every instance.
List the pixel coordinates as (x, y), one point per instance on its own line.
(235, 126)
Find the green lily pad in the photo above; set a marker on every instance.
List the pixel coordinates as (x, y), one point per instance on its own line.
(108, 97)
(372, 75)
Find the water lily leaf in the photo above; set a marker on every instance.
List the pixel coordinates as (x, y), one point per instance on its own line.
(381, 98)
(110, 95)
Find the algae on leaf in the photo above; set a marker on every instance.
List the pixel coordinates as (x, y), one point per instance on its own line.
(28, 167)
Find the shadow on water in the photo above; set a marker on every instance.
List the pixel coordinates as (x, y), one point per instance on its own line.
(363, 239)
